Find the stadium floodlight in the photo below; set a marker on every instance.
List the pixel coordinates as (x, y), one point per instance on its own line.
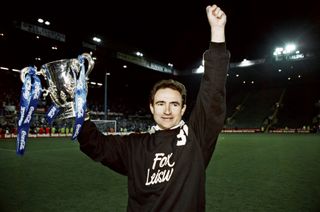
(96, 39)
(288, 52)
(278, 51)
(289, 48)
(4, 68)
(139, 54)
(245, 63)
(199, 70)
(41, 21)
(16, 70)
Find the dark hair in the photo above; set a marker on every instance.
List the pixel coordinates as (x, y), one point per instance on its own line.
(169, 83)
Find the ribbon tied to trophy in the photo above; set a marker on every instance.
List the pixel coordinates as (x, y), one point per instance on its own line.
(67, 87)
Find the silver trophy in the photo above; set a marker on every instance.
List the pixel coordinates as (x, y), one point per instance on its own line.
(61, 77)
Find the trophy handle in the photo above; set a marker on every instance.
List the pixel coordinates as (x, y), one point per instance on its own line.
(25, 71)
(90, 63)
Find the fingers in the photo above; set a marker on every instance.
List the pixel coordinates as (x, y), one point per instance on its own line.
(208, 8)
(215, 11)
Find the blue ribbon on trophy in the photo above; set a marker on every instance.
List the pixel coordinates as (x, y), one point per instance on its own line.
(52, 113)
(80, 99)
(30, 94)
(67, 85)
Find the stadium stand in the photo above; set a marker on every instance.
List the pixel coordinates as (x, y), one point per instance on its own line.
(284, 95)
(254, 108)
(267, 96)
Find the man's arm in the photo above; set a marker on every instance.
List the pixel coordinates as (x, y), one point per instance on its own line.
(109, 150)
(207, 117)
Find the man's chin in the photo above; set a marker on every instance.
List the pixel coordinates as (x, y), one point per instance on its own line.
(166, 126)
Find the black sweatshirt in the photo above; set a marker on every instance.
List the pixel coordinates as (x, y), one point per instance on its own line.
(166, 169)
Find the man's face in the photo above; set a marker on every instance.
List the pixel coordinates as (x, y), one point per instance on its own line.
(167, 108)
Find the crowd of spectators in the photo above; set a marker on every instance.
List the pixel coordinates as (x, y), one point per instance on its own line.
(126, 122)
(130, 116)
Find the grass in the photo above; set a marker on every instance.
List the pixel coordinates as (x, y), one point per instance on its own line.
(249, 172)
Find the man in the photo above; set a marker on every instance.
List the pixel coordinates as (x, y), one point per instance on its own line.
(166, 167)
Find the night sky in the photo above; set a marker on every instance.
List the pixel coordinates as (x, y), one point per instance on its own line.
(177, 31)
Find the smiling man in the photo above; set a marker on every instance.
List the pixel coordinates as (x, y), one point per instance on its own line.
(168, 103)
(166, 166)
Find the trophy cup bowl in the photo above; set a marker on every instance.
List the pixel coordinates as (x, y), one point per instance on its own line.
(61, 77)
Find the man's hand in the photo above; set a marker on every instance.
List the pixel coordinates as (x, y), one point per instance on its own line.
(217, 20)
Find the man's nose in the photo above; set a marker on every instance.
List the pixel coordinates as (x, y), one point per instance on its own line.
(167, 109)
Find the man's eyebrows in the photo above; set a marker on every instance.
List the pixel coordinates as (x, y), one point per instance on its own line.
(173, 102)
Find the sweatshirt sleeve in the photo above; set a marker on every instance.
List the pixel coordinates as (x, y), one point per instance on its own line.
(110, 150)
(208, 115)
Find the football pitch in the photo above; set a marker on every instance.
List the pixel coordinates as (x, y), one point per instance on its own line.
(248, 172)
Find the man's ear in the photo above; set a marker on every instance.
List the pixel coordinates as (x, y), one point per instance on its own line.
(151, 108)
(183, 109)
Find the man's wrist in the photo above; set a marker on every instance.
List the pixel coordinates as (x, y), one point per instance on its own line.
(218, 35)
